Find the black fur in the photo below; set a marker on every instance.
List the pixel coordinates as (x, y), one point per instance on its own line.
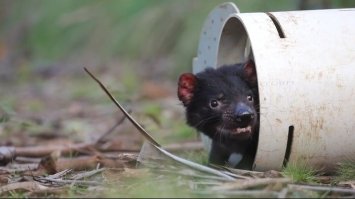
(230, 89)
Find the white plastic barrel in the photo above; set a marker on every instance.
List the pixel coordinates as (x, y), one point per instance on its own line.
(305, 63)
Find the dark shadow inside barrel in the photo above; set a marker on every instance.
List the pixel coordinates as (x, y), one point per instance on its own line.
(235, 47)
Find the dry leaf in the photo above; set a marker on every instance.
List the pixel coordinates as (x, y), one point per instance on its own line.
(49, 163)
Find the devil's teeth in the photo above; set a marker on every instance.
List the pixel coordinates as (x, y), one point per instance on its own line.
(243, 130)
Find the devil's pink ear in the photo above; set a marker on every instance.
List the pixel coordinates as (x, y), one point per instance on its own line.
(250, 72)
(186, 87)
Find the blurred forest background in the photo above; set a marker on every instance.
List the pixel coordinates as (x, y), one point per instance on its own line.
(137, 47)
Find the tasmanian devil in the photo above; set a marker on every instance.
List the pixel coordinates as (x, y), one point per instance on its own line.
(222, 103)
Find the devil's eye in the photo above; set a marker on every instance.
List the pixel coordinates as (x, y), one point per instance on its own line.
(214, 103)
(250, 98)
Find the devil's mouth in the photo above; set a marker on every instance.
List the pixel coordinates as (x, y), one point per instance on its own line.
(241, 130)
(237, 131)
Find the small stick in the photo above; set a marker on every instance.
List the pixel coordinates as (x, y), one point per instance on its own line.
(19, 168)
(60, 174)
(87, 174)
(119, 122)
(27, 160)
(134, 122)
(40, 151)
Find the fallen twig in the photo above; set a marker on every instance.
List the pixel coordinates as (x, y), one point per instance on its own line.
(90, 162)
(27, 160)
(82, 163)
(78, 163)
(19, 168)
(34, 154)
(60, 174)
(87, 174)
(40, 151)
(119, 122)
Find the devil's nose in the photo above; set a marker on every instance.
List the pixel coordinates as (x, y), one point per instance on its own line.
(243, 114)
(244, 117)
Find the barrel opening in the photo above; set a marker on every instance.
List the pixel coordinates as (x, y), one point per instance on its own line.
(235, 47)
